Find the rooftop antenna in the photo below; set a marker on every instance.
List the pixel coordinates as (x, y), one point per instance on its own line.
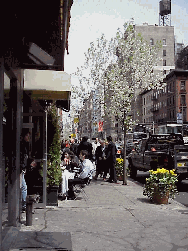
(165, 13)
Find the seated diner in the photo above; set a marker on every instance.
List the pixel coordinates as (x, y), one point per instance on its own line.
(87, 169)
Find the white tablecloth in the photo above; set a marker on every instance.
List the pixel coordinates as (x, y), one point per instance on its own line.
(66, 175)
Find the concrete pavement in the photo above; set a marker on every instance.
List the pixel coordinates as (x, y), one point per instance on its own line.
(114, 217)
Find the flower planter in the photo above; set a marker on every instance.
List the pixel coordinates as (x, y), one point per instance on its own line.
(52, 196)
(160, 198)
(161, 185)
(120, 178)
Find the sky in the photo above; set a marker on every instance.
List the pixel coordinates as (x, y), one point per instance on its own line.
(91, 18)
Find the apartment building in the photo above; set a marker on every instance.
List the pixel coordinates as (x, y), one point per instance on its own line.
(182, 59)
(91, 117)
(147, 106)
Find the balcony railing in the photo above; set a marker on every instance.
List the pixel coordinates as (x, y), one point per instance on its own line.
(183, 104)
(154, 109)
(182, 91)
(154, 97)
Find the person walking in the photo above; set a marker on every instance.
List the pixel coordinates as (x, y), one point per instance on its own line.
(111, 160)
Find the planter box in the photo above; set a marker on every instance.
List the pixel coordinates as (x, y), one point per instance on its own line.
(52, 196)
(120, 178)
(158, 198)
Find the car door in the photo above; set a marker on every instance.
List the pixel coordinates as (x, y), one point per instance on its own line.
(138, 156)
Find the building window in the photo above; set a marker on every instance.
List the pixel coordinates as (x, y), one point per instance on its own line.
(151, 41)
(164, 53)
(164, 72)
(164, 41)
(164, 62)
(184, 113)
(182, 85)
(183, 100)
(144, 101)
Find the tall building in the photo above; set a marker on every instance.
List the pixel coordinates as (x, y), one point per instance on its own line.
(145, 106)
(165, 35)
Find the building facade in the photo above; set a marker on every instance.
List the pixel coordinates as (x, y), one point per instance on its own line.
(32, 49)
(147, 106)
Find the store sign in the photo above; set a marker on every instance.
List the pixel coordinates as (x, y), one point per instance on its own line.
(100, 126)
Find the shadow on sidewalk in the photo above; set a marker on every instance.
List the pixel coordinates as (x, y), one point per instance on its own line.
(32, 240)
(145, 200)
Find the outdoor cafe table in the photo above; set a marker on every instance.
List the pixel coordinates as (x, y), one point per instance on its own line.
(66, 175)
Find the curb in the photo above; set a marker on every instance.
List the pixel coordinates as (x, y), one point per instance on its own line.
(10, 238)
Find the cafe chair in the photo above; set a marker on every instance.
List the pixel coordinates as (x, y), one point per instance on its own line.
(79, 188)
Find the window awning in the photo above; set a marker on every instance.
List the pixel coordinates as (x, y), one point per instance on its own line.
(48, 85)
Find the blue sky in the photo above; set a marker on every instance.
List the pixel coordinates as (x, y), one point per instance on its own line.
(91, 18)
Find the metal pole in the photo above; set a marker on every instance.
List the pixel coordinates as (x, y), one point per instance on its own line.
(182, 120)
(1, 141)
(44, 157)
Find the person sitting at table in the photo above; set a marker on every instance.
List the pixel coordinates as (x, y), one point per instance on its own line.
(87, 167)
(70, 160)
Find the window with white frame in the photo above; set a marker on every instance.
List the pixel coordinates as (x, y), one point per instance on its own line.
(182, 85)
(151, 41)
(164, 41)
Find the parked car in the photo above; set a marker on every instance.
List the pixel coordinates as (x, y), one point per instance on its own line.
(160, 151)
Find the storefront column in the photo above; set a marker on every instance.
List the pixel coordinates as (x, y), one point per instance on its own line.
(14, 124)
(1, 142)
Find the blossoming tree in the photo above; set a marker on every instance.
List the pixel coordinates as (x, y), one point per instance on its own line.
(122, 68)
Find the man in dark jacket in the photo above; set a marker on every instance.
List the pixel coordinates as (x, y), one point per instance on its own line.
(111, 160)
(100, 160)
(25, 164)
(85, 145)
(74, 146)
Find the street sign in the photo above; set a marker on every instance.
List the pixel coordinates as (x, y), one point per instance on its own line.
(179, 118)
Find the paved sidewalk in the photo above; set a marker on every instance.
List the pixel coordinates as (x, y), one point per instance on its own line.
(115, 217)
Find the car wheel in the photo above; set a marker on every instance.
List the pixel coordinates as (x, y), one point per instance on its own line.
(133, 170)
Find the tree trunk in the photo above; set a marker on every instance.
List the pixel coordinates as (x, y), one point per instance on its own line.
(124, 166)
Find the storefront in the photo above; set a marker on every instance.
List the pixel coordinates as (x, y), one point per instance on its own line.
(33, 44)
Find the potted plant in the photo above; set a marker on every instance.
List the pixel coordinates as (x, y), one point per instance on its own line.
(54, 173)
(119, 168)
(161, 185)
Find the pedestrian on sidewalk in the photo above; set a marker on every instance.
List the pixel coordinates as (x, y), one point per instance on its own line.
(74, 146)
(111, 160)
(85, 145)
(25, 164)
(101, 167)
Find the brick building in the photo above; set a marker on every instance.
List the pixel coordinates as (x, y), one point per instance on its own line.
(147, 106)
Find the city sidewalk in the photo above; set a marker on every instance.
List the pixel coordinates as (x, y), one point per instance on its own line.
(114, 217)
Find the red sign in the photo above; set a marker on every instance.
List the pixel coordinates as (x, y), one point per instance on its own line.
(100, 126)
